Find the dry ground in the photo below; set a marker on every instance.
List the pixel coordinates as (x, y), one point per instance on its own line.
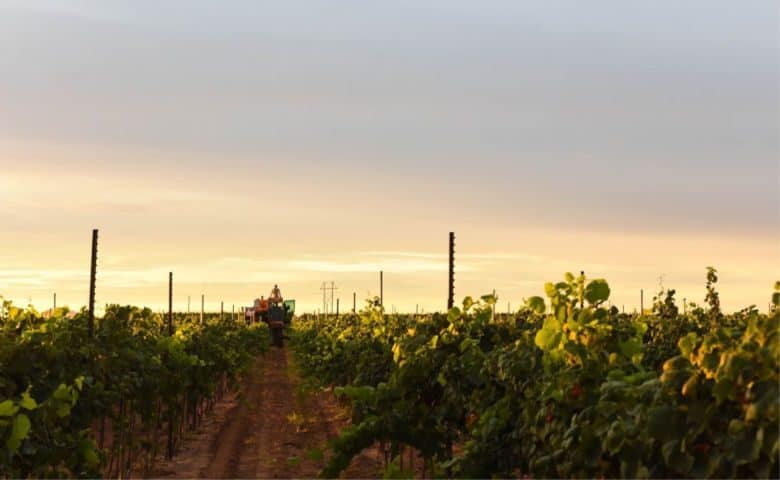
(274, 428)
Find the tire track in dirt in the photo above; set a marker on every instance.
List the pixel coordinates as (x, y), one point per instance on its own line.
(278, 449)
(276, 428)
(233, 455)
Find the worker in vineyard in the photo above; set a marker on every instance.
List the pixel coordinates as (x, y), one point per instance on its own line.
(276, 296)
(263, 308)
(252, 318)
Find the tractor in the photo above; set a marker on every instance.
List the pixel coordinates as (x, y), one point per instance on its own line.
(275, 315)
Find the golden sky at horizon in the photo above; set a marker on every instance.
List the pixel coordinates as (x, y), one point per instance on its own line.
(210, 232)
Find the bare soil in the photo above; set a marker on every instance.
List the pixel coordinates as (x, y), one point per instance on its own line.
(275, 427)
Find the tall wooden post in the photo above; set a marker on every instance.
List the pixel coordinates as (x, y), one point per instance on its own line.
(55, 300)
(221, 310)
(170, 333)
(202, 306)
(337, 307)
(92, 278)
(451, 279)
(171, 427)
(170, 303)
(641, 302)
(354, 302)
(382, 289)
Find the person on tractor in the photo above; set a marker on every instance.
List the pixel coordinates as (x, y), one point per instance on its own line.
(276, 296)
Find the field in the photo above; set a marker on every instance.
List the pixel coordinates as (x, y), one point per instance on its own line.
(564, 387)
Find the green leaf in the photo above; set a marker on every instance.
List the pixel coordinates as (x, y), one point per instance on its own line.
(89, 453)
(687, 344)
(681, 462)
(585, 316)
(90, 457)
(561, 313)
(63, 410)
(550, 289)
(615, 438)
(547, 338)
(489, 299)
(468, 302)
(722, 389)
(62, 393)
(19, 431)
(466, 344)
(27, 402)
(597, 291)
(629, 348)
(7, 408)
(396, 352)
(536, 304)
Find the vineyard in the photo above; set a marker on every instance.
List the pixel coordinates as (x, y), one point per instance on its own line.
(108, 404)
(565, 387)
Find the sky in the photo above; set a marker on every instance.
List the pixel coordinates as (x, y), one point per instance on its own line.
(241, 144)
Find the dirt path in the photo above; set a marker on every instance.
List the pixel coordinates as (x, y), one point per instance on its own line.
(276, 428)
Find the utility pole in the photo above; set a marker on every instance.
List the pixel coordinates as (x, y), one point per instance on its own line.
(326, 305)
(451, 282)
(332, 290)
(92, 278)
